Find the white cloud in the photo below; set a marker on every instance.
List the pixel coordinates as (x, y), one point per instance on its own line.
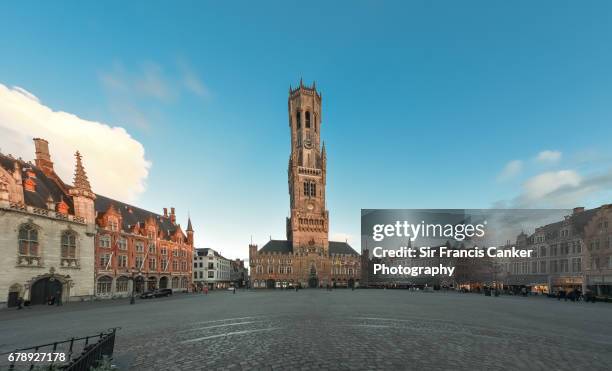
(546, 183)
(512, 169)
(115, 162)
(549, 156)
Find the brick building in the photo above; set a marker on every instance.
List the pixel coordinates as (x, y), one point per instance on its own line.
(306, 257)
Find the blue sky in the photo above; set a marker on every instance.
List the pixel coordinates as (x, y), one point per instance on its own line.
(427, 104)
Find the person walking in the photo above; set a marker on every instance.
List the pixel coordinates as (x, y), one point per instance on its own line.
(234, 290)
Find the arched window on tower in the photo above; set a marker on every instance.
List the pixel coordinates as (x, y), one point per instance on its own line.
(298, 119)
(307, 119)
(315, 123)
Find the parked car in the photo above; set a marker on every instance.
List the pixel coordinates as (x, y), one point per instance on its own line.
(162, 292)
(147, 295)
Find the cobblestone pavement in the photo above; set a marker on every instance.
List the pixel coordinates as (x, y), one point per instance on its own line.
(338, 330)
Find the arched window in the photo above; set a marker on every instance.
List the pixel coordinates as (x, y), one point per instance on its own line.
(298, 119)
(122, 284)
(175, 282)
(315, 123)
(28, 240)
(69, 245)
(104, 285)
(307, 119)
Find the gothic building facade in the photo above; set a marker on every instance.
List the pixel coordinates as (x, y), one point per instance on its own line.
(68, 242)
(46, 231)
(306, 257)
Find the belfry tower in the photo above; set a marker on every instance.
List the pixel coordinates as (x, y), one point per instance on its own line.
(307, 226)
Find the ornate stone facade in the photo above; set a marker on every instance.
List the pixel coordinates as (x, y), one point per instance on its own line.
(67, 241)
(46, 242)
(307, 257)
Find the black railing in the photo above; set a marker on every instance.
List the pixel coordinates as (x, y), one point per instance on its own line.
(75, 354)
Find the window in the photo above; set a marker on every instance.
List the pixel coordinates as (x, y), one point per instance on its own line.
(542, 251)
(576, 264)
(105, 242)
(68, 245)
(270, 269)
(175, 265)
(104, 285)
(307, 119)
(259, 269)
(113, 225)
(543, 266)
(151, 234)
(164, 251)
(138, 262)
(164, 264)
(211, 265)
(28, 240)
(122, 243)
(183, 266)
(315, 122)
(201, 274)
(152, 263)
(104, 260)
(122, 261)
(139, 246)
(211, 274)
(310, 188)
(298, 119)
(151, 248)
(122, 284)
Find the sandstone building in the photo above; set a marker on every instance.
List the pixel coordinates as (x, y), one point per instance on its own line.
(46, 231)
(306, 257)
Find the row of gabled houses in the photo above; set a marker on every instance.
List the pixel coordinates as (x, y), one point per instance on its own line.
(66, 242)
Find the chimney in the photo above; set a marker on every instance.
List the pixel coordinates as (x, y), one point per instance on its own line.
(165, 212)
(43, 158)
(578, 210)
(172, 215)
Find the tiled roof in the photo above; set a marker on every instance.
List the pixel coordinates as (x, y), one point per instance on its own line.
(132, 215)
(286, 247)
(45, 186)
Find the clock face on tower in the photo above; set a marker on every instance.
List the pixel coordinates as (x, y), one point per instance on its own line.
(307, 143)
(310, 207)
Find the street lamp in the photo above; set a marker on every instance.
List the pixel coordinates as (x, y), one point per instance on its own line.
(134, 271)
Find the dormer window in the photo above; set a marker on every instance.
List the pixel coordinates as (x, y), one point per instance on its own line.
(113, 224)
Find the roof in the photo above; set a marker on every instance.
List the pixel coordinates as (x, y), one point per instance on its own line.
(45, 186)
(132, 215)
(341, 248)
(286, 247)
(205, 250)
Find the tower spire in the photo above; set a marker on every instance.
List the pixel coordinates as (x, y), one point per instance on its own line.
(80, 177)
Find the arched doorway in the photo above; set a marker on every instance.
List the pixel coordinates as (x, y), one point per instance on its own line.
(151, 283)
(163, 282)
(45, 288)
(313, 280)
(270, 284)
(139, 285)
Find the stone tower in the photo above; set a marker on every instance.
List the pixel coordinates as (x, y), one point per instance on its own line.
(307, 225)
(82, 195)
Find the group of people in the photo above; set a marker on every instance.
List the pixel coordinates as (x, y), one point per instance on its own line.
(576, 295)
